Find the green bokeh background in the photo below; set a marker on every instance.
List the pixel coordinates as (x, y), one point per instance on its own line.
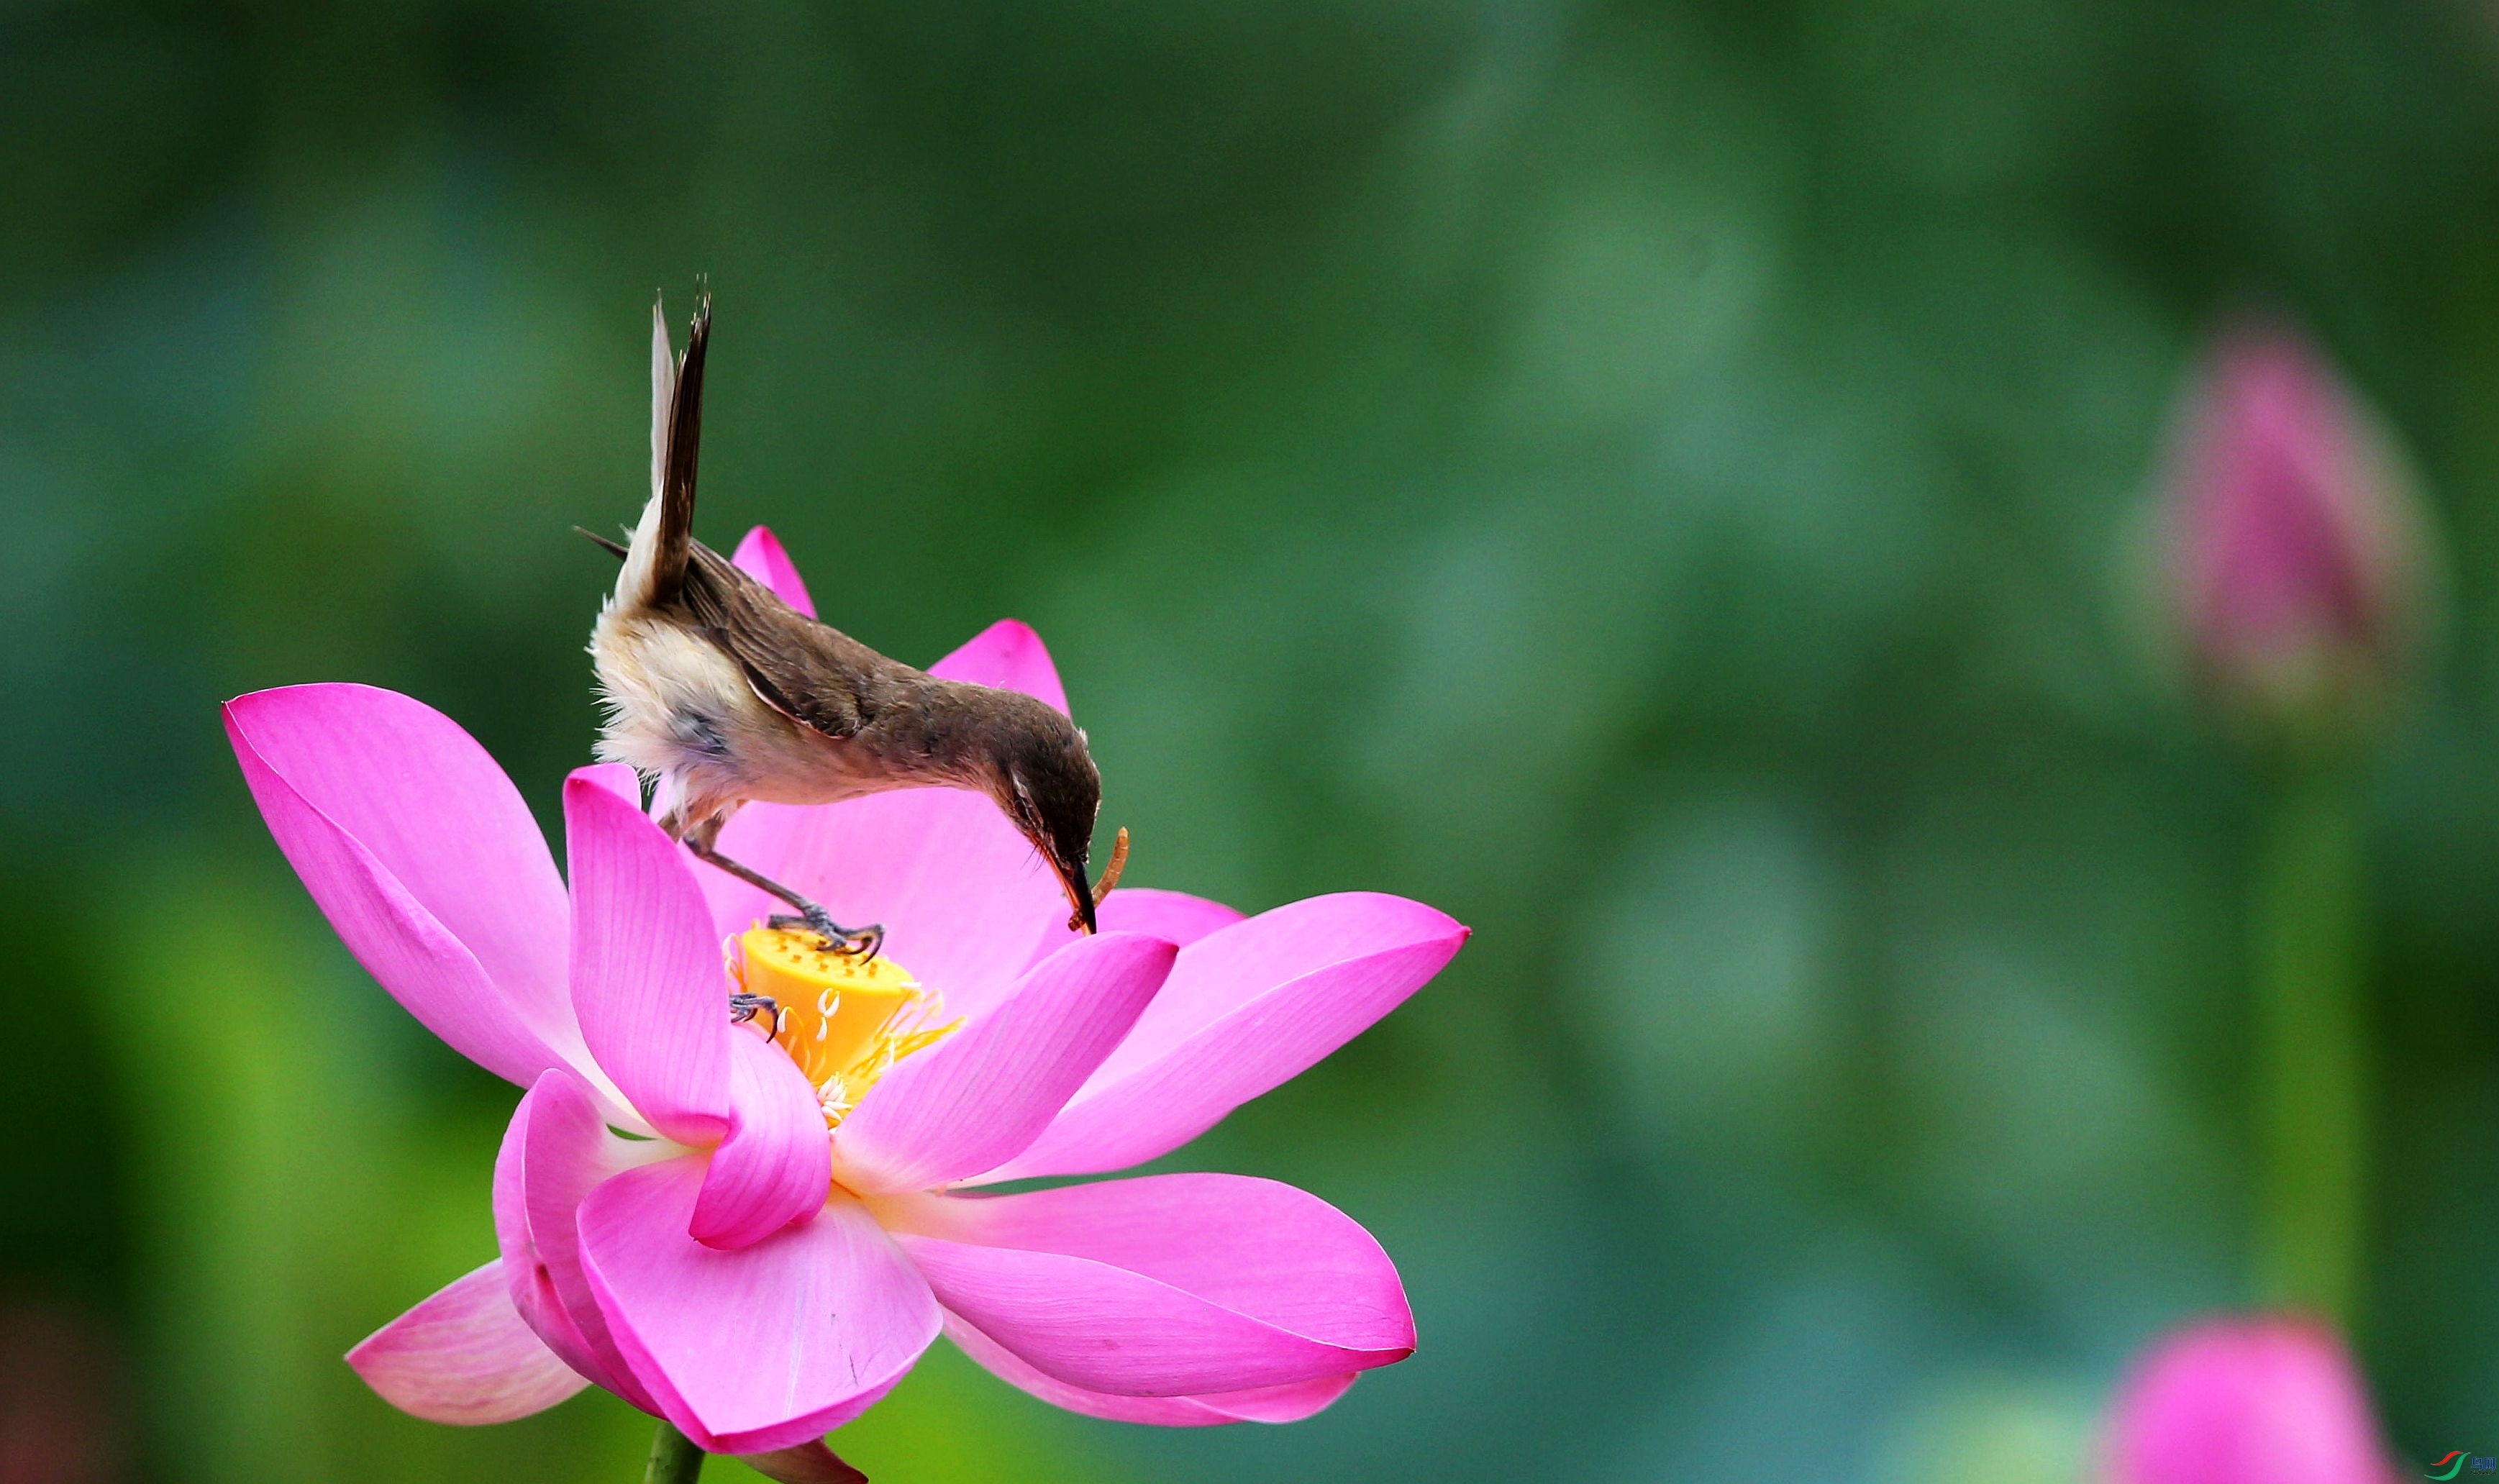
(1653, 480)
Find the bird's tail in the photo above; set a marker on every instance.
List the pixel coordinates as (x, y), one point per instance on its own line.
(655, 562)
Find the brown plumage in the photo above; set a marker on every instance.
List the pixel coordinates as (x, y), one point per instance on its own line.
(723, 693)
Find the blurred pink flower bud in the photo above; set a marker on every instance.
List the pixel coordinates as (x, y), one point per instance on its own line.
(2246, 1400)
(2295, 535)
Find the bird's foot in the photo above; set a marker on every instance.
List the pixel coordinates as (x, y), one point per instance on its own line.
(863, 942)
(745, 1006)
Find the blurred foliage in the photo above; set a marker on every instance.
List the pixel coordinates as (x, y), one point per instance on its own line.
(1651, 479)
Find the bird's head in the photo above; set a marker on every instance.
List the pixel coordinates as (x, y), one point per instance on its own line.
(1041, 772)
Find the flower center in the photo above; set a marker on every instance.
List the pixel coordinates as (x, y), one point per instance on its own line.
(842, 1020)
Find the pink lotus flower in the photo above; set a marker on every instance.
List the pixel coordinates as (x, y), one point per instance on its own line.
(2296, 540)
(2259, 1401)
(676, 1223)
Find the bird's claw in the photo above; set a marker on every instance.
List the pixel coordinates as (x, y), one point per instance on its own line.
(863, 942)
(745, 1006)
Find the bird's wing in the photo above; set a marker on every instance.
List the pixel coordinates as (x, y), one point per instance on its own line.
(656, 568)
(815, 675)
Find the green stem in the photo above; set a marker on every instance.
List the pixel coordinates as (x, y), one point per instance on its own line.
(2310, 1085)
(674, 1458)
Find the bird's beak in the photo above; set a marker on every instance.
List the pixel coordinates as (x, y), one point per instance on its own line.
(1080, 894)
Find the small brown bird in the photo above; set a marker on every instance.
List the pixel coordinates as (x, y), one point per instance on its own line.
(725, 694)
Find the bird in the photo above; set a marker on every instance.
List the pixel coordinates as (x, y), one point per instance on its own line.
(719, 693)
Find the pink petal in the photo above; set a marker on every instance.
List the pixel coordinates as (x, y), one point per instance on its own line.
(527, 1281)
(464, 1355)
(1170, 1285)
(963, 897)
(776, 1164)
(557, 1151)
(809, 1462)
(762, 1348)
(2261, 1400)
(1290, 1403)
(760, 557)
(976, 1098)
(1246, 1008)
(616, 778)
(646, 968)
(435, 810)
(1173, 916)
(420, 853)
(1010, 657)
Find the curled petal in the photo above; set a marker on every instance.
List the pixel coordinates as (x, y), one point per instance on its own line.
(464, 1355)
(527, 1284)
(1290, 1403)
(762, 1349)
(1246, 1006)
(557, 1151)
(979, 1097)
(646, 970)
(1166, 1286)
(776, 1164)
(760, 557)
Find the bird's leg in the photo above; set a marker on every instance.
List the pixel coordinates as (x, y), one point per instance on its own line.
(863, 941)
